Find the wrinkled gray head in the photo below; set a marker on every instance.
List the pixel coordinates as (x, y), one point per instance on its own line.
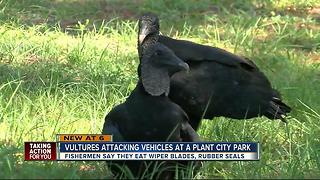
(158, 64)
(148, 34)
(148, 26)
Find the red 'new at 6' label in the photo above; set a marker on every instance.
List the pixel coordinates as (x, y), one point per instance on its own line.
(40, 151)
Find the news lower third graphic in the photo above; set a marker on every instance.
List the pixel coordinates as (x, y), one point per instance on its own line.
(80, 147)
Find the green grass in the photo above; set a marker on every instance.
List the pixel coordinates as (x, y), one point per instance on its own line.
(65, 64)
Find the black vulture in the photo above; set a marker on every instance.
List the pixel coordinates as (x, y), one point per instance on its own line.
(148, 115)
(219, 83)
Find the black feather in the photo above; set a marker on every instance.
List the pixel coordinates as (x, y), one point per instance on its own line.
(144, 117)
(219, 83)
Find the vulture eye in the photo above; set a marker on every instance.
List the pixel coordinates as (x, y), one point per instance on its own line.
(158, 53)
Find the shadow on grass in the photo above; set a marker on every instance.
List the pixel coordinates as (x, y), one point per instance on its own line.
(174, 15)
(68, 13)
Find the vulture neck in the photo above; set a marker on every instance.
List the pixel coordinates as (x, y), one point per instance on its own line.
(150, 40)
(141, 90)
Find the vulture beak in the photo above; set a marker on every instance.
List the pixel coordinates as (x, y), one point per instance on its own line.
(184, 66)
(144, 32)
(141, 38)
(178, 64)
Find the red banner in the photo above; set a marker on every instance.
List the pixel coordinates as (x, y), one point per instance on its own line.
(40, 151)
